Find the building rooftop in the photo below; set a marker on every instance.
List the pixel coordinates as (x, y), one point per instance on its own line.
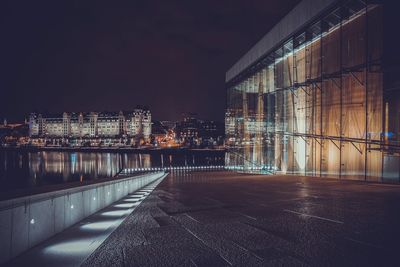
(75, 115)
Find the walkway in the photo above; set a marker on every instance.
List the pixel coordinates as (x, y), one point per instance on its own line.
(224, 219)
(72, 246)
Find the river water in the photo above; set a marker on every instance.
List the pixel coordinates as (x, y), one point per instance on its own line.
(23, 169)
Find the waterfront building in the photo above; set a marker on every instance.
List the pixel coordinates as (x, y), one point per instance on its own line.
(230, 125)
(319, 94)
(192, 131)
(169, 125)
(106, 125)
(211, 133)
(188, 129)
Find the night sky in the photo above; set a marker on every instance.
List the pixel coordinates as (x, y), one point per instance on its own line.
(114, 55)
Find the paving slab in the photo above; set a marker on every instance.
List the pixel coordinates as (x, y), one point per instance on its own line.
(230, 219)
(72, 246)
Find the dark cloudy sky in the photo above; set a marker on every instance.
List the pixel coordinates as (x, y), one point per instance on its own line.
(113, 55)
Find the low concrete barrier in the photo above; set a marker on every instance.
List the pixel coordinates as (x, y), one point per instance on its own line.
(27, 221)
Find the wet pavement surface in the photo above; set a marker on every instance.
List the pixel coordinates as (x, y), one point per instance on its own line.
(230, 219)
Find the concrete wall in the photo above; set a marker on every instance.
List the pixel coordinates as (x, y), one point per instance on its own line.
(27, 221)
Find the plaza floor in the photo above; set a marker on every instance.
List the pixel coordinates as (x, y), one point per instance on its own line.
(231, 219)
(72, 246)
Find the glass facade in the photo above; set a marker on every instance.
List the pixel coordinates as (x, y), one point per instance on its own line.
(319, 103)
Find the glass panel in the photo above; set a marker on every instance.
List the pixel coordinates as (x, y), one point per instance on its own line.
(330, 161)
(331, 107)
(309, 108)
(374, 163)
(353, 34)
(353, 161)
(299, 155)
(375, 30)
(331, 43)
(313, 153)
(391, 167)
(313, 52)
(353, 105)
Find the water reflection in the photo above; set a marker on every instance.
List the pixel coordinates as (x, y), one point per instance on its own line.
(64, 166)
(29, 169)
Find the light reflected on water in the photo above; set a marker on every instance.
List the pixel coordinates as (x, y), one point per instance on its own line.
(68, 165)
(21, 169)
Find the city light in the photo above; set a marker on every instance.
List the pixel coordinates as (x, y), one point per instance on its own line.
(196, 145)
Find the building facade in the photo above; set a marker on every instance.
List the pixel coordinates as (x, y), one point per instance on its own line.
(319, 95)
(135, 123)
(187, 130)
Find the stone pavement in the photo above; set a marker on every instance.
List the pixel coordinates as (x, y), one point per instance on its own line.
(230, 219)
(72, 246)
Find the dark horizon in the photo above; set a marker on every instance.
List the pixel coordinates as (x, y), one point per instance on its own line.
(171, 57)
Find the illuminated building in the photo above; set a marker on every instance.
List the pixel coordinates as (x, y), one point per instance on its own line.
(230, 124)
(211, 133)
(319, 95)
(136, 123)
(194, 132)
(169, 125)
(188, 129)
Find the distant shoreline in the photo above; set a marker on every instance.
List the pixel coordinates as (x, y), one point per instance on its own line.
(117, 150)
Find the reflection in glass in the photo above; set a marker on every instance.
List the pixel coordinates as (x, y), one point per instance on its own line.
(321, 103)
